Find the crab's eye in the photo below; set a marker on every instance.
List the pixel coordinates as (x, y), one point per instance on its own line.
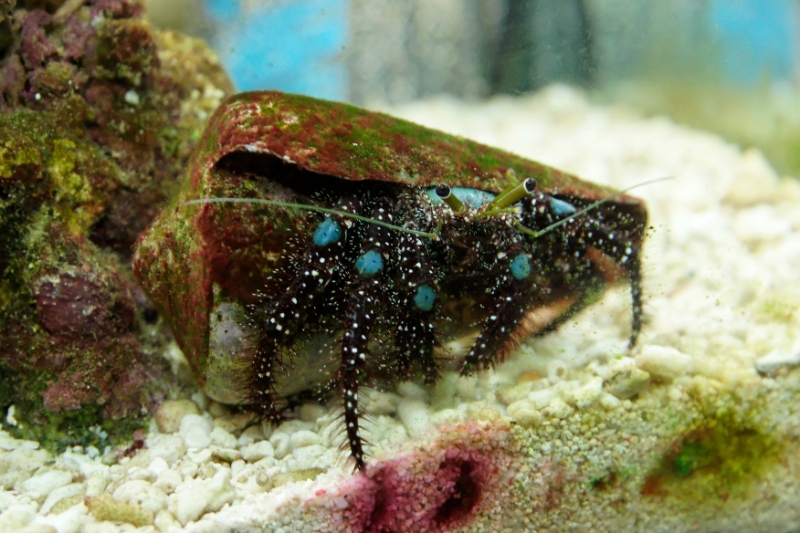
(561, 209)
(530, 185)
(446, 194)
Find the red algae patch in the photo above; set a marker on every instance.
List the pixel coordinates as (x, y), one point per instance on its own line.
(437, 487)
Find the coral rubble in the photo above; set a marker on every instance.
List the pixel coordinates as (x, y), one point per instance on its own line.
(98, 112)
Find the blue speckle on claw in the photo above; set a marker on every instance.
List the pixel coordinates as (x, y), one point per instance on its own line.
(424, 298)
(521, 267)
(327, 232)
(561, 209)
(370, 263)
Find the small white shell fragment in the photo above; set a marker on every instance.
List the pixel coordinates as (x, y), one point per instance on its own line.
(663, 361)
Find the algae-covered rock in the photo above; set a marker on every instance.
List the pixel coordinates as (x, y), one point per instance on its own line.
(98, 112)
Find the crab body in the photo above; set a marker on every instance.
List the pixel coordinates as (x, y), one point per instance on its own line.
(421, 248)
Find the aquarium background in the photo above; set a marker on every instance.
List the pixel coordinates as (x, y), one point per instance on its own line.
(730, 66)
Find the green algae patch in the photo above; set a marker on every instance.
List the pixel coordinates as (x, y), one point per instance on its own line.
(721, 458)
(98, 115)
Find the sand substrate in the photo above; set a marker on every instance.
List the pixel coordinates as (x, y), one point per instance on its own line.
(696, 429)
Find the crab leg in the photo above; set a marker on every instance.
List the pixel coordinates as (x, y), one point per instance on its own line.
(414, 337)
(509, 308)
(289, 314)
(616, 246)
(358, 319)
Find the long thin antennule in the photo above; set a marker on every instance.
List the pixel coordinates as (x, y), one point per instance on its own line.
(326, 210)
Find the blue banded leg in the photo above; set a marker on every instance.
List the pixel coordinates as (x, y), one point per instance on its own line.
(414, 338)
(504, 317)
(290, 313)
(359, 316)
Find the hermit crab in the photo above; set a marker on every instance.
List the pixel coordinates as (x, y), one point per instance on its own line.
(316, 245)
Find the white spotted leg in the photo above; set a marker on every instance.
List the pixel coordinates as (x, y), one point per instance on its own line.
(359, 316)
(510, 300)
(290, 313)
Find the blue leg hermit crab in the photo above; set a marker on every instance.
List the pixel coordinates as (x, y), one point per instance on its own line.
(346, 247)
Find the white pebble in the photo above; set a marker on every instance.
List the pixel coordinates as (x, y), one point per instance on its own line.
(311, 412)
(381, 403)
(341, 503)
(165, 522)
(281, 444)
(302, 438)
(140, 493)
(200, 456)
(524, 413)
(541, 398)
(67, 491)
(158, 465)
(222, 438)
(610, 402)
(236, 467)
(414, 415)
(168, 447)
(412, 391)
(257, 451)
(39, 486)
(170, 414)
(558, 408)
(72, 520)
(588, 394)
(96, 483)
(16, 517)
(196, 431)
(664, 362)
(197, 497)
(778, 359)
(168, 481)
(308, 456)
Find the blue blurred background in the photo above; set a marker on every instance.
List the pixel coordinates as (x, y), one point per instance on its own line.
(334, 48)
(729, 66)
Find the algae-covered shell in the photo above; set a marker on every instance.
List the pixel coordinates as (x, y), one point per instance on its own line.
(203, 265)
